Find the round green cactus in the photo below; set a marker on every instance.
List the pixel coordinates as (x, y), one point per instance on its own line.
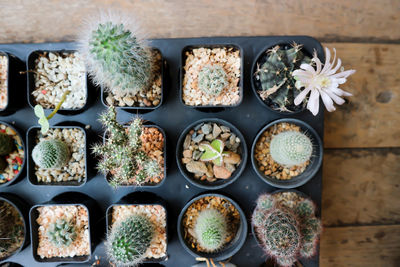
(62, 233)
(129, 239)
(51, 153)
(211, 229)
(291, 148)
(212, 79)
(6, 144)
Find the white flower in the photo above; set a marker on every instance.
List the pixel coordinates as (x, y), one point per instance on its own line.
(322, 81)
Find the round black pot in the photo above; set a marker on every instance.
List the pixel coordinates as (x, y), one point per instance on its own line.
(309, 172)
(96, 225)
(17, 177)
(143, 110)
(210, 108)
(31, 143)
(228, 251)
(220, 183)
(10, 264)
(140, 198)
(255, 84)
(30, 65)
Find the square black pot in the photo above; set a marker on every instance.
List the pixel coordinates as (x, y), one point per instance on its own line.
(30, 144)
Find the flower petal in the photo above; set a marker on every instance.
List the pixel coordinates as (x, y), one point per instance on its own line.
(339, 92)
(343, 74)
(313, 102)
(308, 67)
(301, 73)
(335, 69)
(318, 63)
(335, 97)
(327, 64)
(327, 102)
(300, 97)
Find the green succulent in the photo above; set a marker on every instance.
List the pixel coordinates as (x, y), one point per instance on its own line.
(211, 229)
(213, 152)
(212, 79)
(49, 154)
(62, 233)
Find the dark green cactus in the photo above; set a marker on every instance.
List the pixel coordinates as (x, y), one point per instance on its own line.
(62, 233)
(212, 79)
(51, 153)
(275, 75)
(128, 240)
(3, 164)
(11, 229)
(6, 144)
(211, 229)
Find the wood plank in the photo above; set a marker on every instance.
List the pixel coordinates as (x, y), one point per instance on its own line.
(31, 21)
(361, 187)
(371, 118)
(363, 246)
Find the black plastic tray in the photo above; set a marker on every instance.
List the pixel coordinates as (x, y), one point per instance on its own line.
(249, 117)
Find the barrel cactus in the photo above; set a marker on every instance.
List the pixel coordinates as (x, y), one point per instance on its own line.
(52, 153)
(291, 148)
(6, 144)
(211, 229)
(129, 239)
(116, 56)
(62, 233)
(212, 79)
(275, 76)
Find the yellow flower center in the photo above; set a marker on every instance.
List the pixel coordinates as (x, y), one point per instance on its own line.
(322, 81)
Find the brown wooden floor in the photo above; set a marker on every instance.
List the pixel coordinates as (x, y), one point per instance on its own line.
(361, 192)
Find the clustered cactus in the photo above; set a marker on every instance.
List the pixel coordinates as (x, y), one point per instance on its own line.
(52, 153)
(213, 152)
(129, 239)
(212, 79)
(6, 144)
(211, 229)
(286, 234)
(275, 76)
(11, 229)
(62, 233)
(291, 148)
(121, 155)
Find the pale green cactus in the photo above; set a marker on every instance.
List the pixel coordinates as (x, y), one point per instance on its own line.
(62, 233)
(212, 79)
(50, 154)
(211, 229)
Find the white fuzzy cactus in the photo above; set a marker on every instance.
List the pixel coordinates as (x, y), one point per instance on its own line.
(291, 148)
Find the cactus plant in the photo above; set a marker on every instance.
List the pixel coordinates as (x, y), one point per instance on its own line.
(6, 144)
(291, 148)
(286, 233)
(49, 154)
(212, 79)
(213, 152)
(117, 57)
(62, 233)
(129, 239)
(122, 155)
(211, 229)
(275, 76)
(11, 229)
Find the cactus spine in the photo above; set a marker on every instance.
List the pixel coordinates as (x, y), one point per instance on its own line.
(51, 153)
(129, 239)
(211, 229)
(275, 75)
(212, 79)
(291, 148)
(62, 233)
(6, 144)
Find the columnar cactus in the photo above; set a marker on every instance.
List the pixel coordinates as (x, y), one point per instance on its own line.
(6, 144)
(51, 153)
(128, 240)
(211, 229)
(212, 79)
(275, 75)
(286, 234)
(291, 148)
(62, 233)
(121, 155)
(116, 56)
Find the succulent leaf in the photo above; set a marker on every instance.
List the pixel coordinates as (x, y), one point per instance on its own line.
(213, 152)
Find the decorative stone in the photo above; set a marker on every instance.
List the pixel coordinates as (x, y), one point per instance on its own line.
(197, 154)
(186, 143)
(225, 136)
(232, 158)
(221, 172)
(187, 153)
(197, 167)
(225, 129)
(198, 138)
(216, 131)
(230, 167)
(206, 128)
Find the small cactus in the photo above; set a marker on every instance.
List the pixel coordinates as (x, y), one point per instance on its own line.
(128, 240)
(49, 154)
(275, 76)
(62, 233)
(212, 79)
(211, 229)
(213, 152)
(6, 144)
(291, 148)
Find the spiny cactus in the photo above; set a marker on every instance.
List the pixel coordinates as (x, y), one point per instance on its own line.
(212, 79)
(213, 152)
(211, 229)
(128, 240)
(6, 144)
(275, 75)
(52, 153)
(116, 56)
(121, 155)
(286, 234)
(11, 229)
(62, 233)
(291, 148)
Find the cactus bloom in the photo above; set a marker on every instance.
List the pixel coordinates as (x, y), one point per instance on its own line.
(322, 81)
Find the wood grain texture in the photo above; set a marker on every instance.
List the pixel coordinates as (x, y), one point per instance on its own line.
(363, 246)
(55, 20)
(371, 118)
(361, 187)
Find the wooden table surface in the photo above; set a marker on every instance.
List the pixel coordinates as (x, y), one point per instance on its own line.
(361, 182)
